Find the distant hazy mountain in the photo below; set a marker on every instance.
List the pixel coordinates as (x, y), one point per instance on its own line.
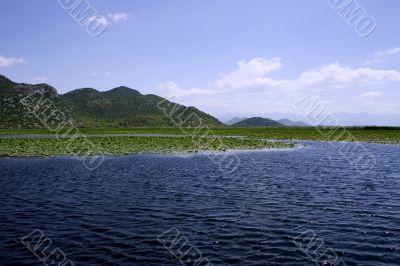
(235, 120)
(290, 123)
(227, 118)
(284, 122)
(343, 119)
(257, 122)
(119, 107)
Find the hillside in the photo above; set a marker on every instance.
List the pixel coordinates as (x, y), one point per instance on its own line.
(285, 122)
(87, 107)
(290, 123)
(14, 114)
(235, 120)
(257, 122)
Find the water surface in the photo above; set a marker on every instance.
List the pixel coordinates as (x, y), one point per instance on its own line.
(114, 214)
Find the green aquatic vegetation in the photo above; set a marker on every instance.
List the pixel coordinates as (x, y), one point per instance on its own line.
(372, 135)
(128, 145)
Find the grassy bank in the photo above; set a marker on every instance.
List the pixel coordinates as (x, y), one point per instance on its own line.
(388, 136)
(127, 145)
(373, 135)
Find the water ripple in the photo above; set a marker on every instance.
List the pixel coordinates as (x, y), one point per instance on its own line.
(113, 215)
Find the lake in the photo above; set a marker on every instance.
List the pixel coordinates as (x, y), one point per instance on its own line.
(292, 207)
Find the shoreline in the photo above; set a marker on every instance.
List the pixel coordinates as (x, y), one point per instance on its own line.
(178, 153)
(243, 137)
(378, 136)
(122, 146)
(152, 144)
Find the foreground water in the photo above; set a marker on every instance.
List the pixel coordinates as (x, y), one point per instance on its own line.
(297, 207)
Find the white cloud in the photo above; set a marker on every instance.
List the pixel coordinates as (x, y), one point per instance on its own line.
(101, 20)
(371, 94)
(381, 56)
(392, 51)
(251, 74)
(10, 61)
(120, 16)
(40, 79)
(109, 19)
(373, 102)
(372, 62)
(97, 74)
(250, 89)
(336, 76)
(171, 89)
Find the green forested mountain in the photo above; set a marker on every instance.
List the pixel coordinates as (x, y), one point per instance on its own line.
(257, 122)
(14, 110)
(87, 107)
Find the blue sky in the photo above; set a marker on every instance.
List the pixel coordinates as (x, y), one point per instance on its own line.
(226, 57)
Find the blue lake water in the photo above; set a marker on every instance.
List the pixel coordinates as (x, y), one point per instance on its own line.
(293, 207)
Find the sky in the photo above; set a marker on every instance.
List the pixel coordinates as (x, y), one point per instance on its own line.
(227, 57)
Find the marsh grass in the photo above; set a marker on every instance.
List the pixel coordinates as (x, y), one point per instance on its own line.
(152, 144)
(129, 145)
(377, 135)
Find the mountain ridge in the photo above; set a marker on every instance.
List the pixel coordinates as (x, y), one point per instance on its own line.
(88, 107)
(284, 122)
(257, 122)
(289, 123)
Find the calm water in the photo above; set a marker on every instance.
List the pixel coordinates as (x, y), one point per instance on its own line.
(262, 214)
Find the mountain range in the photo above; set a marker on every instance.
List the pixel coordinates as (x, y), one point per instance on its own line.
(290, 123)
(118, 107)
(342, 118)
(87, 107)
(259, 121)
